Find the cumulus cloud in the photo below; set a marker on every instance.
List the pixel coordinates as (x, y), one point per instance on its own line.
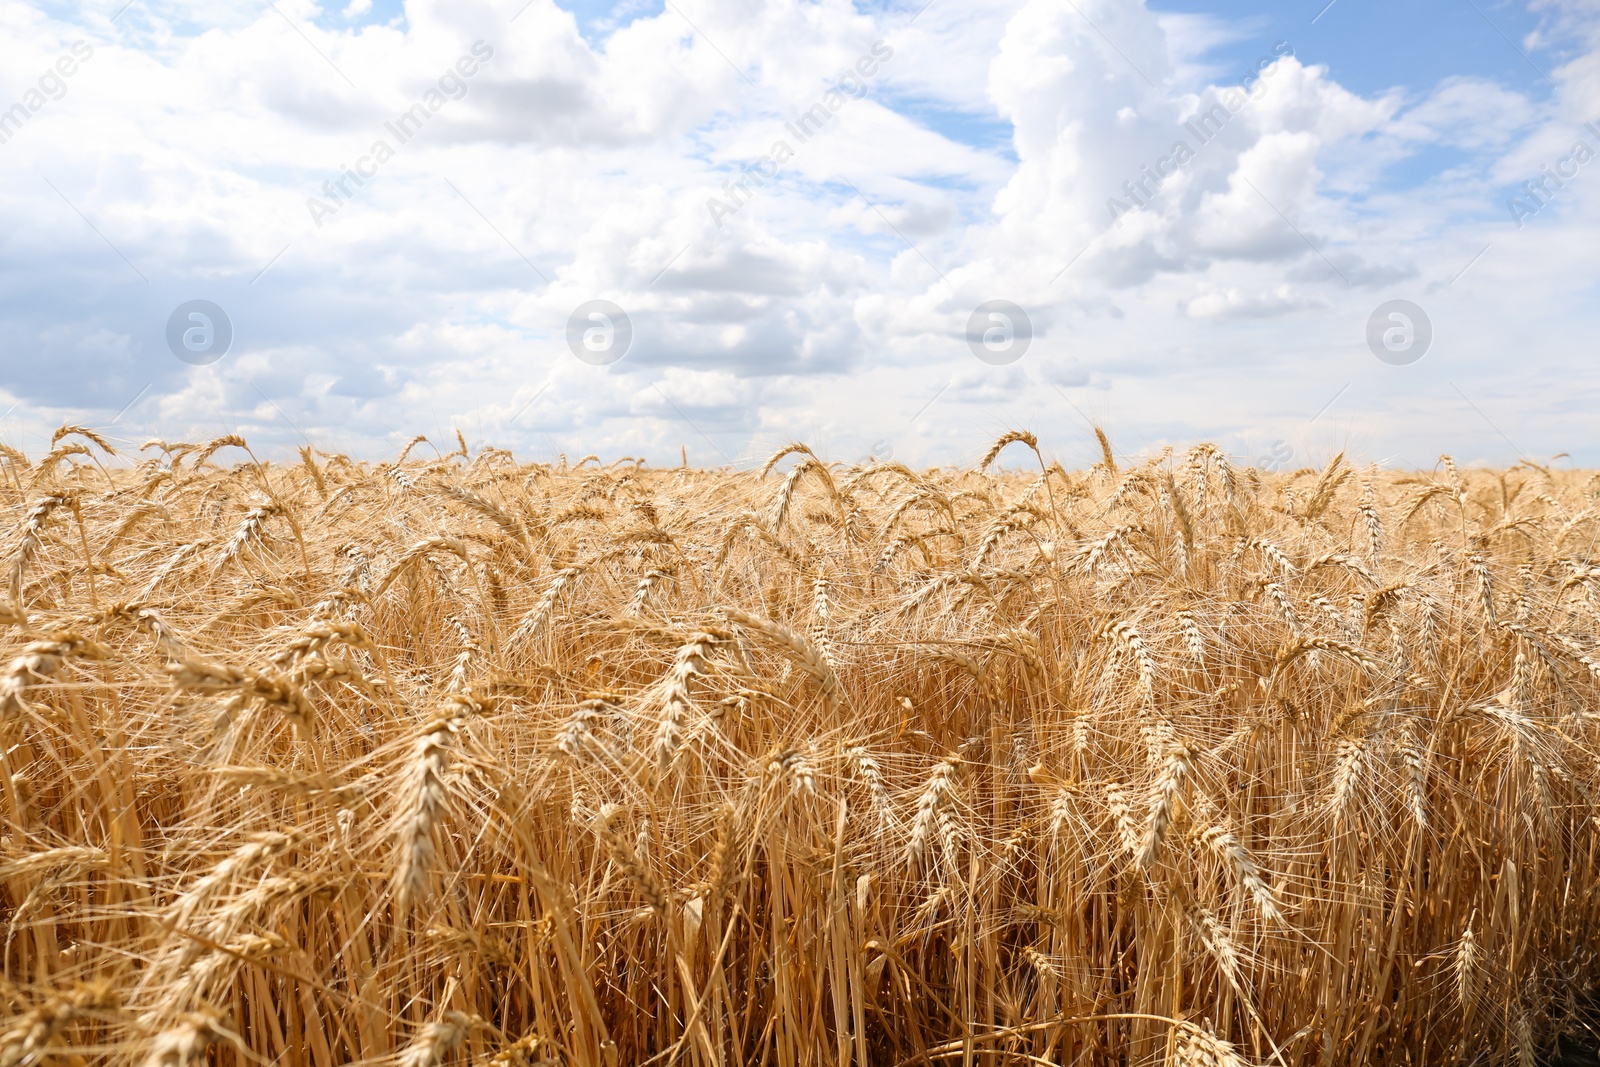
(1024, 150)
(1234, 303)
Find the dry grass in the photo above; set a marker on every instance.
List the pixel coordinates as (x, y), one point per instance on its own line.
(461, 760)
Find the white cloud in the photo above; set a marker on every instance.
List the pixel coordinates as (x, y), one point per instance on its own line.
(1235, 303)
(1228, 300)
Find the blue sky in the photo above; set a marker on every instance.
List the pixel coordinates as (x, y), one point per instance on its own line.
(994, 152)
(597, 20)
(1369, 45)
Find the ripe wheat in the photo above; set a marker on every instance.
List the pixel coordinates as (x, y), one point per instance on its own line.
(457, 760)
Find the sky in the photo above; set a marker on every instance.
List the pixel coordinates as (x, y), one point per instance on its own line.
(705, 228)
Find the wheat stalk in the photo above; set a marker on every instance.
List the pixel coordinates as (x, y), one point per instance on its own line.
(945, 785)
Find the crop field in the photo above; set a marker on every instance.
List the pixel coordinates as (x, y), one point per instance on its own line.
(456, 759)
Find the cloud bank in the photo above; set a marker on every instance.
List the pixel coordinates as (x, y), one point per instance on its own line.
(797, 208)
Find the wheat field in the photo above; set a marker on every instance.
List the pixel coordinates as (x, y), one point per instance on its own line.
(454, 759)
